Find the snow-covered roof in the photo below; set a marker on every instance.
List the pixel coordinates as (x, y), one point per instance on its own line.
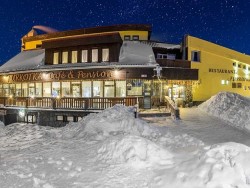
(25, 60)
(162, 45)
(135, 52)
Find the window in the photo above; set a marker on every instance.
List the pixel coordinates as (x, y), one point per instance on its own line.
(94, 55)
(6, 90)
(84, 56)
(24, 89)
(195, 56)
(18, 90)
(166, 56)
(223, 82)
(97, 89)
(55, 89)
(46, 89)
(135, 37)
(134, 87)
(31, 89)
(239, 65)
(76, 89)
(12, 89)
(65, 56)
(55, 58)
(239, 85)
(65, 89)
(38, 46)
(234, 64)
(59, 118)
(105, 54)
(120, 89)
(244, 67)
(38, 90)
(233, 85)
(109, 89)
(126, 37)
(86, 89)
(74, 57)
(70, 118)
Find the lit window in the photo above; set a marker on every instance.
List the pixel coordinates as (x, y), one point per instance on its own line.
(56, 58)
(135, 37)
(223, 82)
(84, 56)
(55, 89)
(59, 118)
(195, 56)
(126, 37)
(86, 89)
(70, 118)
(65, 89)
(105, 54)
(65, 57)
(94, 55)
(38, 90)
(74, 57)
(46, 89)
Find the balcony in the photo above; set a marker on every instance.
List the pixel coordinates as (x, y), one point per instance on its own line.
(178, 63)
(69, 103)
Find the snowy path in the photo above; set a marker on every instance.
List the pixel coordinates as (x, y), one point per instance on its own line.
(209, 129)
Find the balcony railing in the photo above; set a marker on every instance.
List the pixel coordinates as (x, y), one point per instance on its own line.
(178, 63)
(69, 103)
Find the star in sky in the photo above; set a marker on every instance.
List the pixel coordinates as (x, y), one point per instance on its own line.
(225, 22)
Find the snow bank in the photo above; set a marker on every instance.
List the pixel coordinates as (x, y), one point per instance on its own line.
(133, 150)
(110, 122)
(223, 165)
(230, 107)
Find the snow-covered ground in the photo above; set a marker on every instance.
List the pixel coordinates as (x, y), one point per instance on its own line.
(113, 149)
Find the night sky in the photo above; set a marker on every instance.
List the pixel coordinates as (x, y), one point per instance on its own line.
(222, 22)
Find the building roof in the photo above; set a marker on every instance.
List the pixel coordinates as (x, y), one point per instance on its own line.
(135, 52)
(132, 53)
(162, 45)
(99, 29)
(25, 60)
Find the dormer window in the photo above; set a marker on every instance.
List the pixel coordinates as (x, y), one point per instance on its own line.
(135, 37)
(105, 54)
(94, 55)
(74, 57)
(55, 58)
(126, 37)
(65, 56)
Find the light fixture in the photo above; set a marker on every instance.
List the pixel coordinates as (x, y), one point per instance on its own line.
(21, 113)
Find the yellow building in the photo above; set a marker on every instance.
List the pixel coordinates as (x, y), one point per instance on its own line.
(220, 69)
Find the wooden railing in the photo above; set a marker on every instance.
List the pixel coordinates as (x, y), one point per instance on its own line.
(70, 103)
(178, 63)
(174, 110)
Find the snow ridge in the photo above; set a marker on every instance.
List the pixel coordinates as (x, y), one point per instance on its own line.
(230, 107)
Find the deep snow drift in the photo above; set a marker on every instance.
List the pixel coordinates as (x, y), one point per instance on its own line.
(113, 149)
(230, 107)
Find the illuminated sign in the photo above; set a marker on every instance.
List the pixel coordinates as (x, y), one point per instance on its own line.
(63, 75)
